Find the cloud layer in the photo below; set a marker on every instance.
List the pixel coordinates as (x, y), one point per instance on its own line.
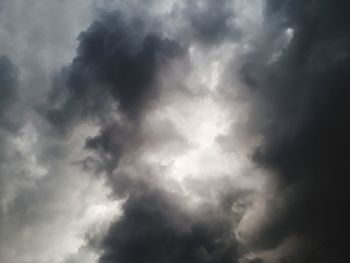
(174, 131)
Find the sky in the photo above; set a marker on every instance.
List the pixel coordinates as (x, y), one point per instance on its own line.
(174, 131)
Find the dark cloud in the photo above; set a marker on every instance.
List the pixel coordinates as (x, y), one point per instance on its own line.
(300, 96)
(8, 87)
(117, 63)
(115, 71)
(256, 260)
(156, 228)
(303, 104)
(212, 21)
(117, 59)
(108, 145)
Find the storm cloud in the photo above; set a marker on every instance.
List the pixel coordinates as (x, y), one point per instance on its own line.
(155, 228)
(174, 131)
(303, 94)
(117, 62)
(8, 83)
(115, 58)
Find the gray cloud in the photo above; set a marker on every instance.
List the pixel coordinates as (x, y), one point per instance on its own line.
(8, 83)
(212, 22)
(113, 80)
(114, 73)
(36, 170)
(303, 97)
(113, 110)
(154, 228)
(8, 86)
(115, 59)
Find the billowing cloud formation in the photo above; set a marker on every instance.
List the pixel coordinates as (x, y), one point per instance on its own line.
(118, 63)
(303, 94)
(115, 58)
(46, 202)
(8, 84)
(155, 228)
(212, 21)
(174, 131)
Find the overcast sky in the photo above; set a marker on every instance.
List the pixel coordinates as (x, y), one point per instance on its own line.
(174, 131)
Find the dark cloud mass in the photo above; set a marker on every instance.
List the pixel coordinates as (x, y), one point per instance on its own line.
(213, 21)
(116, 58)
(304, 95)
(142, 132)
(8, 86)
(154, 228)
